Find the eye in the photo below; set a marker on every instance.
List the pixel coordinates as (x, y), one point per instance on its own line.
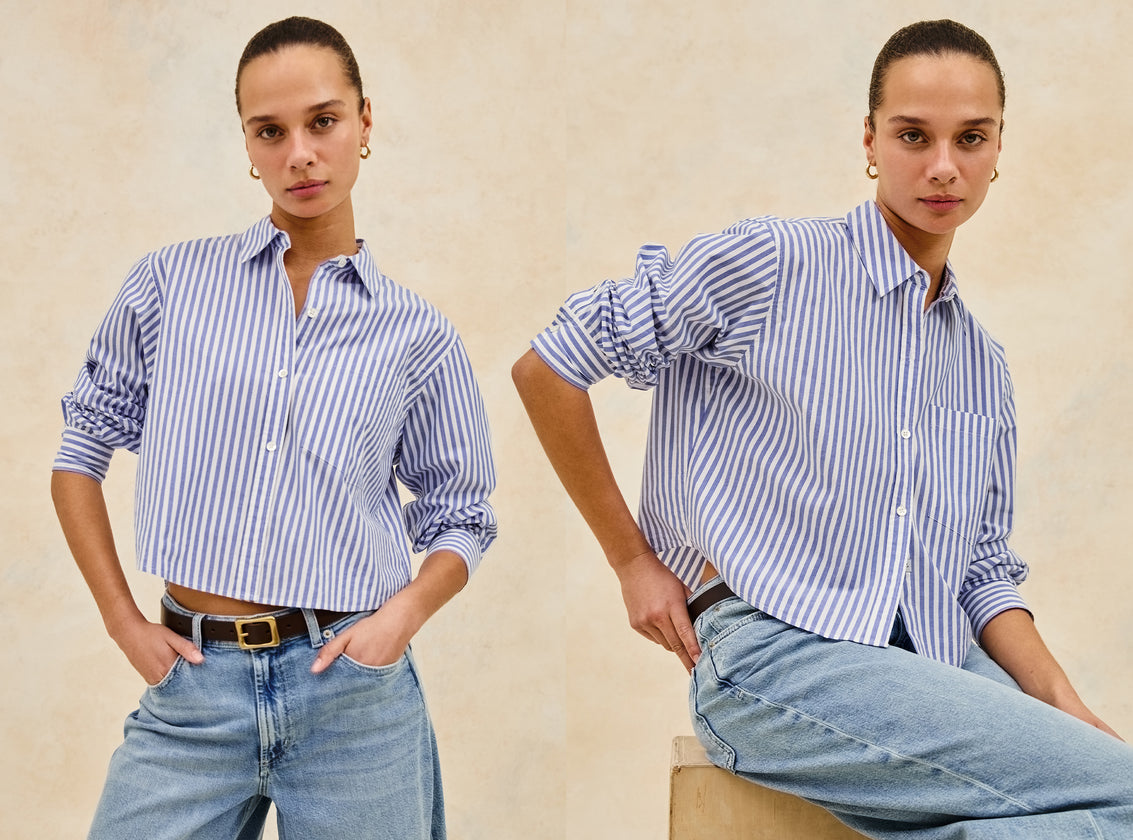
(973, 138)
(325, 121)
(911, 135)
(269, 132)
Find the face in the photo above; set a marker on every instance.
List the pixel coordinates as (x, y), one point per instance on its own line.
(303, 130)
(935, 143)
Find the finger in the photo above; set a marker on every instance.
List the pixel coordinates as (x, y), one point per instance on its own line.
(674, 643)
(185, 648)
(686, 633)
(654, 635)
(329, 652)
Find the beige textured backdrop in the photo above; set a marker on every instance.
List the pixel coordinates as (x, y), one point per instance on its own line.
(524, 149)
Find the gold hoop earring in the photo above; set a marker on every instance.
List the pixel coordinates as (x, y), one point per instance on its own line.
(871, 175)
(994, 175)
(253, 173)
(365, 153)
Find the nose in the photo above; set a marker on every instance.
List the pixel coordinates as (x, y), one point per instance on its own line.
(300, 154)
(942, 167)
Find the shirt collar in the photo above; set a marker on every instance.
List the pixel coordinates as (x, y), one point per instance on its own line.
(263, 234)
(887, 263)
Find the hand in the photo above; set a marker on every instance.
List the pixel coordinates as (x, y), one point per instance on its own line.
(1078, 709)
(656, 601)
(377, 640)
(153, 648)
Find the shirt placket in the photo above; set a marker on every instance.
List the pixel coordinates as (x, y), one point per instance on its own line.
(275, 438)
(908, 388)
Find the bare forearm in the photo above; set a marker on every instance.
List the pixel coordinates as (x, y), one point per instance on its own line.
(1013, 641)
(81, 508)
(563, 418)
(442, 575)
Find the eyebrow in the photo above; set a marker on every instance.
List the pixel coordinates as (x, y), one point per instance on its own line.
(322, 106)
(973, 123)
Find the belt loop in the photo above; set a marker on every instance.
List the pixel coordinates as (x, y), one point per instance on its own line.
(313, 629)
(197, 638)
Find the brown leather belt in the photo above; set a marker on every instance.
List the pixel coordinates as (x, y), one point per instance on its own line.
(250, 633)
(708, 598)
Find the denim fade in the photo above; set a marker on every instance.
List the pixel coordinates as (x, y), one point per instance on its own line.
(349, 753)
(899, 746)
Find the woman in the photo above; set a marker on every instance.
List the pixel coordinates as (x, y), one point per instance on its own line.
(830, 467)
(277, 387)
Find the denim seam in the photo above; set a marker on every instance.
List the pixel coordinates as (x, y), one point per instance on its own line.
(911, 759)
(1094, 823)
(706, 727)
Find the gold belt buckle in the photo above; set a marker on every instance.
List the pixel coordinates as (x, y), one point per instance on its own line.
(242, 634)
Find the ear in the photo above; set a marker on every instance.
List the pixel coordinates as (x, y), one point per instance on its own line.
(867, 142)
(367, 120)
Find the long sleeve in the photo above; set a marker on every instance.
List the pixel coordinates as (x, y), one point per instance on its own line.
(446, 462)
(106, 408)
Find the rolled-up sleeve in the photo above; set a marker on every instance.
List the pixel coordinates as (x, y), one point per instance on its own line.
(105, 410)
(990, 585)
(446, 463)
(711, 300)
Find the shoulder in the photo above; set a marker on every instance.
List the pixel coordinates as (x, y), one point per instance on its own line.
(785, 231)
(191, 257)
(411, 321)
(196, 249)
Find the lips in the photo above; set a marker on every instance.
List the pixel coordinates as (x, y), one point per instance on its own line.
(942, 203)
(306, 189)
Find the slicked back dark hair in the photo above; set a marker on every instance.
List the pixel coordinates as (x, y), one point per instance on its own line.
(296, 31)
(931, 37)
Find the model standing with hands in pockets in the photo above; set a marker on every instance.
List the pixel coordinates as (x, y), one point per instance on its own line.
(828, 491)
(277, 387)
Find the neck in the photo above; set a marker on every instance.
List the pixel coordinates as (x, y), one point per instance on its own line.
(322, 237)
(928, 250)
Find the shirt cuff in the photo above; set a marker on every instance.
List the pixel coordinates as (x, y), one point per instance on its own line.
(83, 453)
(988, 600)
(462, 542)
(569, 351)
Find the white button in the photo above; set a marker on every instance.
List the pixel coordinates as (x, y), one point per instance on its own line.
(270, 447)
(901, 510)
(281, 373)
(908, 566)
(341, 261)
(554, 327)
(906, 434)
(312, 313)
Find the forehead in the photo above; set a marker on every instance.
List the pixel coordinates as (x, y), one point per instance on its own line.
(952, 84)
(293, 77)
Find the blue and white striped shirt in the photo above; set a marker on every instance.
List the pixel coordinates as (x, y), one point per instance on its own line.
(833, 449)
(270, 446)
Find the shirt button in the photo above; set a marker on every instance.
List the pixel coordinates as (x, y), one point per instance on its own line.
(341, 262)
(270, 446)
(901, 510)
(554, 328)
(312, 313)
(281, 373)
(906, 434)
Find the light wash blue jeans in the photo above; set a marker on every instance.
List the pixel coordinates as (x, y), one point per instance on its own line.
(349, 753)
(896, 745)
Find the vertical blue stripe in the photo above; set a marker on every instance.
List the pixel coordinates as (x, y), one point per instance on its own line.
(270, 445)
(832, 448)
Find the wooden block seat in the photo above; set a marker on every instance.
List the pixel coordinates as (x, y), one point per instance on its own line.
(708, 803)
